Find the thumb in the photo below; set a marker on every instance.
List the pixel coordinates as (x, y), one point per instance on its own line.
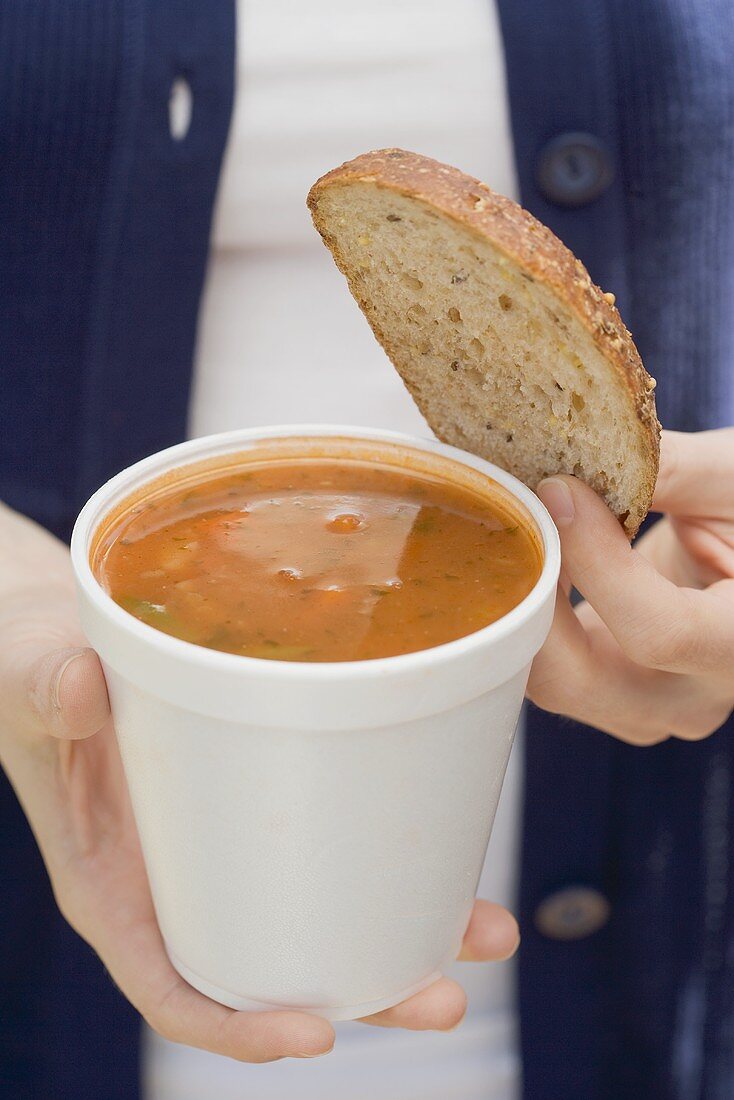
(656, 623)
(65, 693)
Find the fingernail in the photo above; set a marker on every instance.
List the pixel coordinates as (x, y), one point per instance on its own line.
(318, 1054)
(59, 677)
(516, 947)
(558, 499)
(456, 1025)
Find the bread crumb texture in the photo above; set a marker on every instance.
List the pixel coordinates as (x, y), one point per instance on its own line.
(505, 344)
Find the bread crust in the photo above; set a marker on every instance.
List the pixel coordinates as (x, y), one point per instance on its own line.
(532, 247)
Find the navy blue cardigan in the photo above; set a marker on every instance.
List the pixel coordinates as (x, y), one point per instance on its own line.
(104, 221)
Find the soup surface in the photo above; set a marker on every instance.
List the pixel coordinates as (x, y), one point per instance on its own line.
(317, 560)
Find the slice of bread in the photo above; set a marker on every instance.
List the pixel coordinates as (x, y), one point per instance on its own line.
(506, 345)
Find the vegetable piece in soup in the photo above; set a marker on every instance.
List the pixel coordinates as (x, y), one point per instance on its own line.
(317, 560)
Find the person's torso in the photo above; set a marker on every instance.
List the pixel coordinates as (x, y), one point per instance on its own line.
(281, 341)
(103, 245)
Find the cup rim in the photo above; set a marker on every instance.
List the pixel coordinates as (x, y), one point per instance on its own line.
(222, 443)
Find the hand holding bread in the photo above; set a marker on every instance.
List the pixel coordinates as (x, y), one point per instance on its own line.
(649, 654)
(510, 351)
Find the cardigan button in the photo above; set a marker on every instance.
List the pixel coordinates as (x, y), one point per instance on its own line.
(572, 913)
(574, 169)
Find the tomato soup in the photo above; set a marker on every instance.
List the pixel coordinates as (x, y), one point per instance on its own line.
(317, 559)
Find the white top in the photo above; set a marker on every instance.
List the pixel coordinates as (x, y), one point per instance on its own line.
(280, 340)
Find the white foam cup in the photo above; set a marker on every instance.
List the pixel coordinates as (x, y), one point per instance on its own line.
(314, 832)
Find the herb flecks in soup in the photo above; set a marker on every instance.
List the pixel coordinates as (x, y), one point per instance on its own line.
(317, 560)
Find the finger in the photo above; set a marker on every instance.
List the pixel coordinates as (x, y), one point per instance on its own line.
(440, 1007)
(696, 472)
(66, 692)
(605, 691)
(661, 546)
(594, 683)
(601, 687)
(492, 934)
(562, 669)
(656, 623)
(186, 1016)
(135, 956)
(687, 707)
(708, 546)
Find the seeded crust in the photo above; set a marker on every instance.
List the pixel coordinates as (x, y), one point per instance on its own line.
(504, 342)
